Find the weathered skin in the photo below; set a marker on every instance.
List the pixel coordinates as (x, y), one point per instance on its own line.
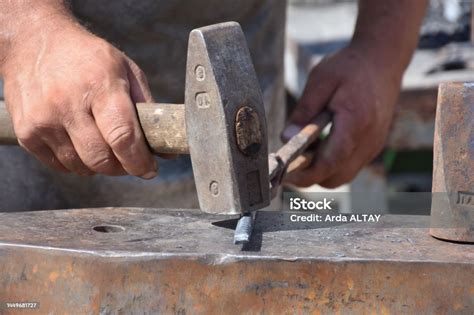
(155, 34)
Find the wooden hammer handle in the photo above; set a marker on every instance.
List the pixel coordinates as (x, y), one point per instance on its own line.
(163, 125)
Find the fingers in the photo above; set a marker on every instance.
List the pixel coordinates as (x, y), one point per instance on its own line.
(80, 148)
(51, 145)
(44, 154)
(64, 151)
(351, 170)
(357, 133)
(332, 155)
(139, 89)
(365, 152)
(116, 119)
(106, 140)
(91, 146)
(85, 107)
(317, 94)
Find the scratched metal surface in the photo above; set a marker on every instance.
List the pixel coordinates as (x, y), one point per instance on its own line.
(172, 261)
(161, 231)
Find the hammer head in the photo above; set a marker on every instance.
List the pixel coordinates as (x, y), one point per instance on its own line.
(225, 122)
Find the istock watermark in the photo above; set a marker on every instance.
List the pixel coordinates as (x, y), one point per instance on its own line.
(328, 209)
(372, 209)
(309, 205)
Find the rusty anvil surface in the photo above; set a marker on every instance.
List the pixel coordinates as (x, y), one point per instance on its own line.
(162, 261)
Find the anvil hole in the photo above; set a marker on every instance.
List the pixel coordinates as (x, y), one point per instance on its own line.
(108, 228)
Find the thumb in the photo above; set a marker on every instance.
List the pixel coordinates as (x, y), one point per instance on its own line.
(317, 94)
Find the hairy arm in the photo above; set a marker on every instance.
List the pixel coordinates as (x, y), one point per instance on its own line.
(388, 31)
(20, 18)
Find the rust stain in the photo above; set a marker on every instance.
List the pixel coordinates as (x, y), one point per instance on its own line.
(453, 163)
(350, 284)
(458, 306)
(53, 276)
(384, 310)
(177, 285)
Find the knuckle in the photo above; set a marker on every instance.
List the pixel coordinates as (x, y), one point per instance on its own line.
(121, 137)
(95, 79)
(95, 83)
(26, 134)
(105, 49)
(346, 107)
(55, 97)
(104, 163)
(30, 136)
(365, 124)
(331, 163)
(303, 113)
(68, 156)
(41, 123)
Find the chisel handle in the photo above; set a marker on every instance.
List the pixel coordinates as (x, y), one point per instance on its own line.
(299, 158)
(293, 156)
(163, 125)
(297, 145)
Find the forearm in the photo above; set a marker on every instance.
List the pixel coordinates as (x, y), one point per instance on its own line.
(20, 19)
(388, 31)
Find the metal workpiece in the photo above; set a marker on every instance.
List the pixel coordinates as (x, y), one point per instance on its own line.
(280, 162)
(452, 209)
(223, 99)
(244, 229)
(136, 261)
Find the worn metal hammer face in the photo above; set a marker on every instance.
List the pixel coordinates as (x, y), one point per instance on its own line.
(225, 122)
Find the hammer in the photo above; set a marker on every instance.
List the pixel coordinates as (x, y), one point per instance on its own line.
(221, 125)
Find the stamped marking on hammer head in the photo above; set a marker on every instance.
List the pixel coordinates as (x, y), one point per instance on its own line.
(225, 121)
